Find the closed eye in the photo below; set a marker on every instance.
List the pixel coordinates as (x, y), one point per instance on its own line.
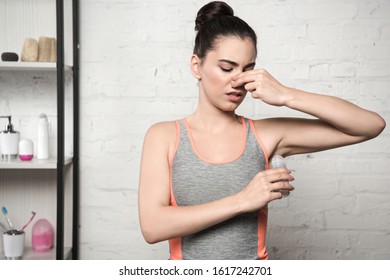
(226, 69)
(249, 68)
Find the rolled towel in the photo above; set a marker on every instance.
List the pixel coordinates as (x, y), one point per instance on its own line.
(47, 49)
(30, 50)
(53, 50)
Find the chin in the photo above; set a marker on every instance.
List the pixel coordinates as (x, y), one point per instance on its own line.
(230, 107)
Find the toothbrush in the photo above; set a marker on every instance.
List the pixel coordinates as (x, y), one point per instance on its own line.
(5, 212)
(3, 226)
(32, 217)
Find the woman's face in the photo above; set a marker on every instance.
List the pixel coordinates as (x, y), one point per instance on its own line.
(230, 57)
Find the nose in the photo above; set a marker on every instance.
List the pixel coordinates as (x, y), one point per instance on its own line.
(234, 84)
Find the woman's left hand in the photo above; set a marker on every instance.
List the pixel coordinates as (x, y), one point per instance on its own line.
(262, 86)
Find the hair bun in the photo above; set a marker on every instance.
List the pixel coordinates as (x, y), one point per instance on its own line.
(211, 11)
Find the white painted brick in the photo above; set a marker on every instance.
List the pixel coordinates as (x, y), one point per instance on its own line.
(378, 220)
(378, 147)
(374, 241)
(360, 31)
(374, 10)
(324, 32)
(271, 13)
(373, 202)
(378, 105)
(163, 107)
(267, 51)
(374, 50)
(380, 68)
(286, 218)
(378, 187)
(385, 33)
(312, 51)
(319, 71)
(343, 69)
(282, 33)
(177, 90)
(300, 72)
(375, 89)
(325, 11)
(343, 88)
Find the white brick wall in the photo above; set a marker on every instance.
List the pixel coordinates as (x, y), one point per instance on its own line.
(135, 72)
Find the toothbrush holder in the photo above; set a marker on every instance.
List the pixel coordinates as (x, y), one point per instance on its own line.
(13, 242)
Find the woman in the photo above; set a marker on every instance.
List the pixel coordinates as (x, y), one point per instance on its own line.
(205, 181)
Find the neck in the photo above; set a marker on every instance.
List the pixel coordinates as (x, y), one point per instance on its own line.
(207, 117)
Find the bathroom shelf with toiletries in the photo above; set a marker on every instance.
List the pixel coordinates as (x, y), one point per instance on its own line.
(29, 254)
(39, 146)
(30, 66)
(32, 164)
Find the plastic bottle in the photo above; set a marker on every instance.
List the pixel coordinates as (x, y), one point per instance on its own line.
(43, 137)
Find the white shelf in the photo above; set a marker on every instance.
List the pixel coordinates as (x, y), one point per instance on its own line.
(32, 164)
(30, 66)
(29, 254)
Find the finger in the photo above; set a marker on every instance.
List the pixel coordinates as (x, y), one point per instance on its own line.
(255, 72)
(273, 173)
(278, 170)
(280, 192)
(279, 174)
(275, 195)
(251, 86)
(242, 74)
(281, 178)
(243, 78)
(281, 186)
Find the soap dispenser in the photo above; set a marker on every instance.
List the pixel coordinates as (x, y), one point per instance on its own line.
(9, 141)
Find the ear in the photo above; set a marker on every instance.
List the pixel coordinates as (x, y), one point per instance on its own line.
(195, 66)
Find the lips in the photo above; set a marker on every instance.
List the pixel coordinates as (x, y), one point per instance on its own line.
(235, 96)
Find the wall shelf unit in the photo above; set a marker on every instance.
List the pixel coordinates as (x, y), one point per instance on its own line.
(32, 164)
(50, 185)
(31, 66)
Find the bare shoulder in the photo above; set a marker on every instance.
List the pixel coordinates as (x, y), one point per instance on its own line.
(161, 135)
(165, 129)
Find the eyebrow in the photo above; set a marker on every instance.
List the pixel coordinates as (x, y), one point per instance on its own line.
(236, 64)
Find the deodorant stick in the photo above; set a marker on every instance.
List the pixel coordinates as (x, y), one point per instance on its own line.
(43, 137)
(279, 162)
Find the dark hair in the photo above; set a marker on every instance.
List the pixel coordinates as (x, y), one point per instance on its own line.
(214, 20)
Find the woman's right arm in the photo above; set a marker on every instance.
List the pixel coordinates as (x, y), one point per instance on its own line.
(161, 221)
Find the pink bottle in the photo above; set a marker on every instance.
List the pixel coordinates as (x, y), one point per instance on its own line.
(42, 236)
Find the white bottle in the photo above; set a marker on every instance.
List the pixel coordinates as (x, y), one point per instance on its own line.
(43, 137)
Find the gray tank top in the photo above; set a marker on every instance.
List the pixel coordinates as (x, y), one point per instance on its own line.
(195, 181)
